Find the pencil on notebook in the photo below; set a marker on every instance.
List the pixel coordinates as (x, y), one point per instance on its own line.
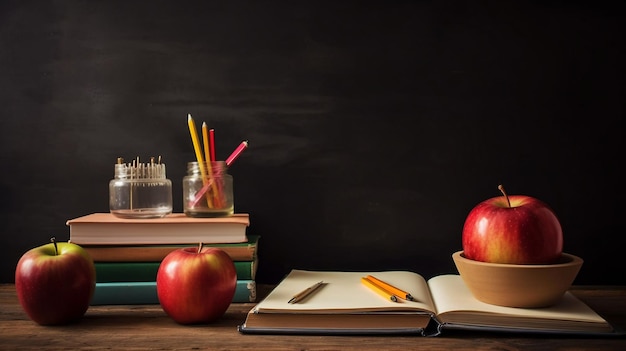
(379, 289)
(306, 292)
(396, 291)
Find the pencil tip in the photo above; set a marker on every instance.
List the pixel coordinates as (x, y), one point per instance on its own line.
(188, 116)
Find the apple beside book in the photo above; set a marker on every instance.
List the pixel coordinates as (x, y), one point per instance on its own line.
(514, 229)
(55, 283)
(196, 285)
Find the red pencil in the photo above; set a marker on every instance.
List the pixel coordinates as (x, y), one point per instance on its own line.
(236, 153)
(212, 142)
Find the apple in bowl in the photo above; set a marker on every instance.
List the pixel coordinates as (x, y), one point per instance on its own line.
(515, 229)
(512, 253)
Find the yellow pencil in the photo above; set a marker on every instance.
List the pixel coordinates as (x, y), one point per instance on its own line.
(378, 289)
(398, 292)
(198, 151)
(205, 142)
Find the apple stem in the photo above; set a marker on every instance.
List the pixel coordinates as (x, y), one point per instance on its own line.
(54, 242)
(501, 188)
(200, 247)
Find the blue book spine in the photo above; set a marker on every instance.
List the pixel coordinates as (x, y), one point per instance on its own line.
(143, 293)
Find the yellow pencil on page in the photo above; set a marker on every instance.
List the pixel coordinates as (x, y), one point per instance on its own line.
(398, 292)
(378, 289)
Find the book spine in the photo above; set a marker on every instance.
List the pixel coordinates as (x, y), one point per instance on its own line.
(245, 291)
(144, 293)
(147, 271)
(155, 253)
(125, 293)
(107, 229)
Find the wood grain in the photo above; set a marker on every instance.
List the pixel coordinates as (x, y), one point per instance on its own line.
(147, 327)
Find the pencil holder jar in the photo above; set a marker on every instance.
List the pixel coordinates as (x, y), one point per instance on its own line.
(140, 190)
(208, 190)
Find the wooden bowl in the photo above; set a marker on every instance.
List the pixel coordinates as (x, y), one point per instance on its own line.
(518, 285)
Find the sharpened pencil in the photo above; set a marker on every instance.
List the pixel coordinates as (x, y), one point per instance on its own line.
(396, 291)
(306, 292)
(379, 289)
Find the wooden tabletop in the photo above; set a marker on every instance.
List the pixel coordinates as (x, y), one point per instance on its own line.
(147, 327)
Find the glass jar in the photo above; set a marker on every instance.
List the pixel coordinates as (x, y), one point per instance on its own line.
(140, 190)
(208, 190)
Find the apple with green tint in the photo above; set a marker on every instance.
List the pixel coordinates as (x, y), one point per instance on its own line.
(55, 282)
(196, 285)
(514, 229)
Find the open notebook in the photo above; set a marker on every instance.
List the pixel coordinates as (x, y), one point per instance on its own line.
(344, 305)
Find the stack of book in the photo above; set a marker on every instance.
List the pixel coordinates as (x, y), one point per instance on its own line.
(127, 252)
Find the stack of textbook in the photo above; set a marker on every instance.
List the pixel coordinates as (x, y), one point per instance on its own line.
(127, 252)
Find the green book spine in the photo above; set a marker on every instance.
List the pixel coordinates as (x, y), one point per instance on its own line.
(143, 293)
(147, 271)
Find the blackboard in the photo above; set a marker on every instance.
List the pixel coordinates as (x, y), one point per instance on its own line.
(374, 126)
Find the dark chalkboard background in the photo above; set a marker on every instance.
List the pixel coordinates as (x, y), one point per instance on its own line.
(374, 126)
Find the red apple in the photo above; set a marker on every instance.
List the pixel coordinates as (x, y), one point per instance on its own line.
(55, 282)
(196, 285)
(514, 229)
